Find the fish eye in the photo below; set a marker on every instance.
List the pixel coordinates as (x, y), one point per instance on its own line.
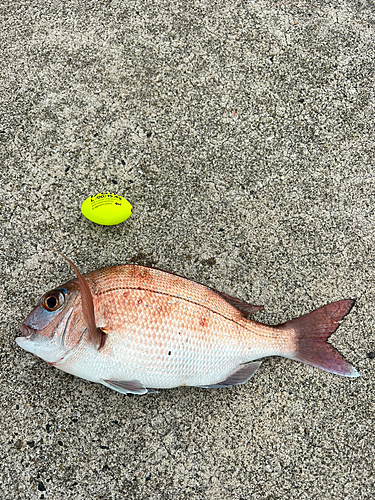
(53, 300)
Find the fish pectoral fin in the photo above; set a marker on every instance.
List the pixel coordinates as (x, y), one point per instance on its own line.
(96, 335)
(245, 308)
(126, 386)
(240, 376)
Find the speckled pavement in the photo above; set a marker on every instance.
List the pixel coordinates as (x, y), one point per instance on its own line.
(243, 135)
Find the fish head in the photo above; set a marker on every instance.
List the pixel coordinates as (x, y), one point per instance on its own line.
(55, 326)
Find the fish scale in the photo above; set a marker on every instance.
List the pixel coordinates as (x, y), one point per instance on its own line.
(133, 328)
(168, 324)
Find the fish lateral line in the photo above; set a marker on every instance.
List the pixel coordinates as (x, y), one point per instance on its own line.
(185, 299)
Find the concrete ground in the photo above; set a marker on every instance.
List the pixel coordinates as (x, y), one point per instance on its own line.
(242, 133)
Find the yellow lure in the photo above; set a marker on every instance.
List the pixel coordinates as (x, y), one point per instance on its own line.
(106, 209)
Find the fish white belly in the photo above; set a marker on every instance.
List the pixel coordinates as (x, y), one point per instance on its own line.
(165, 363)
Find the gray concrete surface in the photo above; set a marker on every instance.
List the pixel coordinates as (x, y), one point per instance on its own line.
(243, 135)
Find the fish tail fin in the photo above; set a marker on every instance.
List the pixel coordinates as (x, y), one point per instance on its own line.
(310, 334)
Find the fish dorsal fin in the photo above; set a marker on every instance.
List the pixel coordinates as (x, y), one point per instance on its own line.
(245, 308)
(97, 337)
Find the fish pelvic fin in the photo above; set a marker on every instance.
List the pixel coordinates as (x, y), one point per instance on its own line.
(310, 334)
(97, 336)
(126, 386)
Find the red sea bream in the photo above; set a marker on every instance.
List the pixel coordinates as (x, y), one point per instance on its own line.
(135, 329)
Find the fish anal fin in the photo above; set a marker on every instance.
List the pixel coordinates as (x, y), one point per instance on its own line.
(240, 376)
(245, 308)
(126, 386)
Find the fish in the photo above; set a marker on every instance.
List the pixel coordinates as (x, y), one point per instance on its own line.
(137, 329)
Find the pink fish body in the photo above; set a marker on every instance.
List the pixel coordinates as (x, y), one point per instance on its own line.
(134, 328)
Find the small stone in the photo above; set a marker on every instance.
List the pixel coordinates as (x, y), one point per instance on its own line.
(41, 486)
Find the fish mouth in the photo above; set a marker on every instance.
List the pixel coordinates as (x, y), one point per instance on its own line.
(27, 331)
